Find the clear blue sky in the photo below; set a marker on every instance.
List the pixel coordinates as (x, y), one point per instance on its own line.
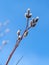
(35, 47)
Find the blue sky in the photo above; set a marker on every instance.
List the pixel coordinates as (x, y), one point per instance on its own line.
(35, 47)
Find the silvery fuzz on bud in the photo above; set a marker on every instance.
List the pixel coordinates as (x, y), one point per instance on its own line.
(34, 21)
(18, 32)
(28, 11)
(19, 37)
(28, 14)
(37, 18)
(32, 24)
(26, 33)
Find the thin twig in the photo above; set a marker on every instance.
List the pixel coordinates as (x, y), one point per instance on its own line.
(15, 47)
(27, 23)
(19, 40)
(19, 60)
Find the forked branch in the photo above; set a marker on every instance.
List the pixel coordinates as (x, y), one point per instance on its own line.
(29, 25)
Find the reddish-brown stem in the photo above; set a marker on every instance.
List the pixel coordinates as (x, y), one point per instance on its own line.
(17, 44)
(12, 52)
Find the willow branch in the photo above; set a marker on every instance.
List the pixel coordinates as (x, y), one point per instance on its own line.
(32, 24)
(15, 47)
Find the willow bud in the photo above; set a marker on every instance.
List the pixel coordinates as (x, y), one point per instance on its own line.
(26, 33)
(36, 19)
(28, 14)
(19, 37)
(18, 32)
(32, 24)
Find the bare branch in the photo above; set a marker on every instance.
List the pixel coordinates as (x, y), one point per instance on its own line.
(17, 44)
(28, 15)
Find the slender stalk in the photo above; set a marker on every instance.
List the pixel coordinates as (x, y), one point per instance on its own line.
(12, 52)
(19, 40)
(17, 44)
(27, 23)
(19, 60)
